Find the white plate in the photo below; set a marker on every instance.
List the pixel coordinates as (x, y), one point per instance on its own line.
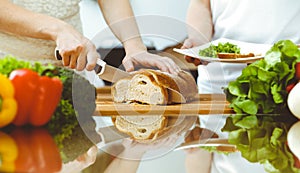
(258, 49)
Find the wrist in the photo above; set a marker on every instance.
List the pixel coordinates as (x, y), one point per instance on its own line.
(54, 31)
(134, 46)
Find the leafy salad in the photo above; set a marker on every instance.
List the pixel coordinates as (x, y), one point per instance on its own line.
(259, 98)
(213, 50)
(261, 88)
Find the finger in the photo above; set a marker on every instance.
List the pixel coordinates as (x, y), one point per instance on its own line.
(92, 57)
(81, 61)
(65, 58)
(197, 61)
(187, 44)
(73, 61)
(174, 68)
(128, 64)
(189, 59)
(196, 133)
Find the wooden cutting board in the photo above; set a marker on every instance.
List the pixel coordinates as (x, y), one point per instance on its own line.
(205, 104)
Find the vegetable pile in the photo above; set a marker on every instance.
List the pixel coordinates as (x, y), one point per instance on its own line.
(262, 139)
(259, 97)
(213, 50)
(76, 101)
(24, 149)
(262, 86)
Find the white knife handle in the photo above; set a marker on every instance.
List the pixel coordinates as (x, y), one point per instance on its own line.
(100, 66)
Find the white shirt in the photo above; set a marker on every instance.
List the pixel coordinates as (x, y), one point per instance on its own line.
(255, 21)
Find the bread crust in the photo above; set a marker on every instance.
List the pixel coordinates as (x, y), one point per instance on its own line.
(234, 55)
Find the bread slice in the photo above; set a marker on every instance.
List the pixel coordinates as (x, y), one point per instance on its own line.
(144, 88)
(140, 127)
(119, 90)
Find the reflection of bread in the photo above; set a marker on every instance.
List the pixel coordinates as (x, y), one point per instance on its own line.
(140, 127)
(234, 55)
(150, 87)
(149, 128)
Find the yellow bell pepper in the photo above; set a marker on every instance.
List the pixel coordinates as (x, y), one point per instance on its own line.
(8, 153)
(8, 104)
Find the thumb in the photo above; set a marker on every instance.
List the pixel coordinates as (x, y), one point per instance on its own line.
(187, 44)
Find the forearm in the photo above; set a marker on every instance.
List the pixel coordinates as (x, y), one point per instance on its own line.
(121, 164)
(19, 21)
(198, 160)
(120, 18)
(199, 20)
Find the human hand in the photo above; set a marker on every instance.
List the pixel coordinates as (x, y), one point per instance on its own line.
(198, 133)
(135, 149)
(147, 59)
(76, 50)
(189, 43)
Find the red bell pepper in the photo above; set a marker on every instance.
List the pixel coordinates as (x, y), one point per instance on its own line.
(297, 72)
(37, 96)
(37, 151)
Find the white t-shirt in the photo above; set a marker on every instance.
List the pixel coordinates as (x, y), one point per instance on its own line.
(255, 21)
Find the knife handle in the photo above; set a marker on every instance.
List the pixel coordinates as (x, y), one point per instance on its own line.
(99, 68)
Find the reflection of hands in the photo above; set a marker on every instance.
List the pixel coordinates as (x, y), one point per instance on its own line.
(198, 133)
(76, 50)
(190, 43)
(81, 162)
(146, 59)
(137, 149)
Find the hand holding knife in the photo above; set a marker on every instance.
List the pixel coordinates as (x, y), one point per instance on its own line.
(103, 70)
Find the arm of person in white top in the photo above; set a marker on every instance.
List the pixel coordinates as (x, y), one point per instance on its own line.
(122, 22)
(129, 159)
(196, 158)
(199, 26)
(76, 50)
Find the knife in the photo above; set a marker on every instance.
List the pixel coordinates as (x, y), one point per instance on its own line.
(110, 135)
(210, 142)
(113, 74)
(103, 70)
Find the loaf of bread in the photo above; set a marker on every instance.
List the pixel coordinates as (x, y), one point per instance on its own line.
(151, 87)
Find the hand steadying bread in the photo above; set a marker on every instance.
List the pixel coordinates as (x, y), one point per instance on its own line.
(148, 86)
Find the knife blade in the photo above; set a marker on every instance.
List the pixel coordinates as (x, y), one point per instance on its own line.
(210, 142)
(103, 70)
(108, 72)
(110, 135)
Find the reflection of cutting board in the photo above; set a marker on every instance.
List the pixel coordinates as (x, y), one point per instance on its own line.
(204, 104)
